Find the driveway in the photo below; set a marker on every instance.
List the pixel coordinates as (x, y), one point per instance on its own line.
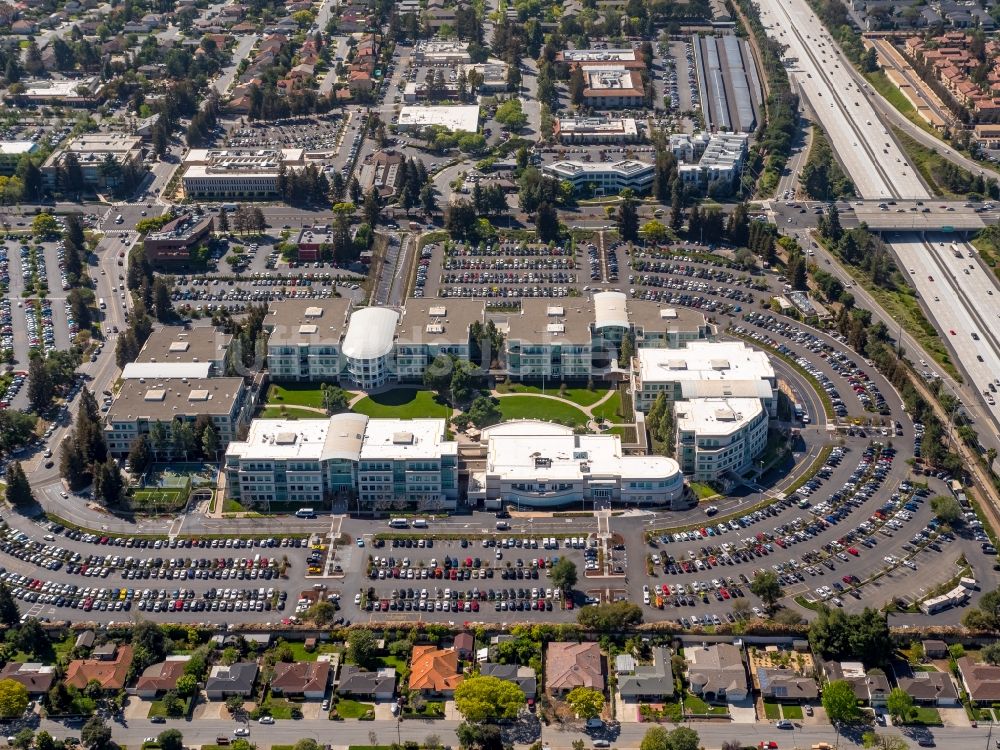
(743, 712)
(137, 708)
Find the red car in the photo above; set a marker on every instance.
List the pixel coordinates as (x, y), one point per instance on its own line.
(853, 551)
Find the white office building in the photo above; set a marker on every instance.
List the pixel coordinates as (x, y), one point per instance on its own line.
(719, 436)
(532, 464)
(603, 177)
(368, 347)
(720, 157)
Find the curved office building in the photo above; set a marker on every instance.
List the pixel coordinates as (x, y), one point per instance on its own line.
(368, 347)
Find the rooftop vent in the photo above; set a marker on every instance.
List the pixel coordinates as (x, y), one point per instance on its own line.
(155, 394)
(402, 438)
(285, 438)
(198, 395)
(314, 312)
(438, 311)
(307, 328)
(434, 328)
(179, 346)
(668, 313)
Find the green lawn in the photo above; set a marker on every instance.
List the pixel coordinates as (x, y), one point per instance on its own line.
(772, 711)
(353, 709)
(610, 408)
(295, 394)
(702, 490)
(391, 661)
(792, 712)
(925, 715)
(580, 396)
(695, 705)
(532, 407)
(299, 652)
(232, 506)
(403, 403)
(288, 412)
(279, 708)
(881, 83)
(923, 668)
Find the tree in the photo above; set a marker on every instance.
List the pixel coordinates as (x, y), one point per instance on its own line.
(361, 645)
(767, 588)
(946, 509)
(884, 741)
(162, 308)
(683, 738)
(899, 704)
(334, 398)
(577, 85)
(306, 743)
(428, 199)
(511, 115)
(210, 442)
(563, 574)
(18, 492)
(839, 702)
(488, 699)
(653, 231)
(140, 457)
(234, 703)
(95, 734)
(170, 739)
(547, 223)
(321, 613)
(10, 616)
(187, 685)
(13, 699)
(44, 225)
(656, 738)
(40, 387)
(991, 653)
(586, 703)
(628, 217)
(610, 618)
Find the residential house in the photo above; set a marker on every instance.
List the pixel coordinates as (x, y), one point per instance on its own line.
(930, 689)
(781, 684)
(716, 673)
(85, 639)
(235, 679)
(36, 678)
(570, 665)
(159, 678)
(524, 677)
(981, 681)
(464, 644)
(23, 27)
(108, 666)
(301, 679)
(434, 671)
(869, 687)
(360, 683)
(645, 683)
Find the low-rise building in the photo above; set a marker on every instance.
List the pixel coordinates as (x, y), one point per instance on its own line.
(716, 673)
(571, 665)
(108, 668)
(356, 682)
(35, 677)
(721, 162)
(237, 174)
(456, 118)
(174, 242)
(435, 671)
(11, 153)
(542, 465)
(383, 171)
(612, 87)
(77, 92)
(235, 679)
(304, 338)
(180, 345)
(524, 677)
(311, 242)
(871, 688)
(94, 152)
(596, 130)
(981, 681)
(645, 683)
(158, 678)
(441, 52)
(226, 402)
(930, 689)
(602, 178)
(301, 679)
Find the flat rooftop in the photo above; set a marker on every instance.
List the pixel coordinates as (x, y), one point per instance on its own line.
(552, 321)
(406, 439)
(704, 360)
(599, 55)
(164, 399)
(64, 88)
(178, 344)
(16, 148)
(455, 118)
(438, 321)
(716, 416)
(654, 316)
(624, 126)
(529, 455)
(339, 436)
(307, 322)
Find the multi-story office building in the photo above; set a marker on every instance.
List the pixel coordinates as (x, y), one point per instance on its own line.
(142, 402)
(174, 242)
(304, 338)
(603, 177)
(596, 129)
(237, 174)
(542, 465)
(380, 464)
(368, 348)
(93, 152)
(550, 341)
(176, 344)
(717, 437)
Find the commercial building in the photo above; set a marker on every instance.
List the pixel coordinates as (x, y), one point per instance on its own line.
(141, 403)
(237, 174)
(368, 348)
(533, 464)
(722, 157)
(603, 177)
(304, 338)
(455, 118)
(383, 171)
(612, 87)
(93, 151)
(311, 241)
(174, 242)
(599, 57)
(729, 89)
(178, 345)
(441, 52)
(77, 92)
(717, 437)
(381, 463)
(596, 130)
(11, 153)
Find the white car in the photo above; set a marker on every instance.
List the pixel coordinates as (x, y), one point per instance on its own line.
(242, 731)
(264, 720)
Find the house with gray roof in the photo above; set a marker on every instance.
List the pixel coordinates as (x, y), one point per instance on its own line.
(360, 683)
(645, 683)
(236, 679)
(716, 673)
(524, 677)
(930, 689)
(786, 685)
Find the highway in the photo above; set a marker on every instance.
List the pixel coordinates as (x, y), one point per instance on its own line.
(880, 169)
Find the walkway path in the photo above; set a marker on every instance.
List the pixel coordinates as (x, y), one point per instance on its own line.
(588, 410)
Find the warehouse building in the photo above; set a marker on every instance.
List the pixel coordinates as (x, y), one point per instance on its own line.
(729, 88)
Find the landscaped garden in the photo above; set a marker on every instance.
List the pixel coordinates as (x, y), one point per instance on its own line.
(295, 394)
(581, 396)
(281, 411)
(535, 407)
(348, 709)
(695, 705)
(404, 403)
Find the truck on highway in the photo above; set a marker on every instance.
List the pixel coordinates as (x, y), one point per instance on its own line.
(955, 250)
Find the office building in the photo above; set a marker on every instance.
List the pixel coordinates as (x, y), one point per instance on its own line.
(596, 130)
(717, 437)
(311, 242)
(601, 178)
(304, 338)
(237, 174)
(383, 171)
(178, 345)
(11, 153)
(77, 92)
(93, 151)
(456, 118)
(226, 402)
(721, 159)
(612, 87)
(174, 242)
(533, 464)
(380, 464)
(441, 52)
